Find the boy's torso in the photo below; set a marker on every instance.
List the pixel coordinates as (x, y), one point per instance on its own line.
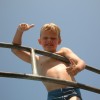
(50, 67)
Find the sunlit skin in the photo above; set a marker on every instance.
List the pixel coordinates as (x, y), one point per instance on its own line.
(47, 66)
(51, 67)
(49, 41)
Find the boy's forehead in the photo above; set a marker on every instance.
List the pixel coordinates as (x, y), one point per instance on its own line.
(49, 33)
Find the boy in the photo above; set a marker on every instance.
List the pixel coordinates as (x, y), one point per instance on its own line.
(46, 66)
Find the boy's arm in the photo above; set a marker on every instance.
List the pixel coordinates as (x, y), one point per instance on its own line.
(76, 63)
(17, 40)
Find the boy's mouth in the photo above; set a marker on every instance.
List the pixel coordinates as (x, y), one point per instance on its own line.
(49, 44)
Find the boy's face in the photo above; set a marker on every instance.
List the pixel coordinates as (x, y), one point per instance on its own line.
(49, 41)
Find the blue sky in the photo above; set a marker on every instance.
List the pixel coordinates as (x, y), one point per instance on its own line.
(79, 21)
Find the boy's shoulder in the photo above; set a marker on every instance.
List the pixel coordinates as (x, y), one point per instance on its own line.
(65, 49)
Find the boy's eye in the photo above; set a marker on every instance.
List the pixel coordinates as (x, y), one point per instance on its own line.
(45, 38)
(53, 38)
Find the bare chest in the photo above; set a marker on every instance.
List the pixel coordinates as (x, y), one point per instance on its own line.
(52, 68)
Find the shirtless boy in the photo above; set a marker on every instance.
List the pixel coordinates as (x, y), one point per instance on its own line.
(46, 66)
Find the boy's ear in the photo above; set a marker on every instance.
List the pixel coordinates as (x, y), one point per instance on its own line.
(39, 41)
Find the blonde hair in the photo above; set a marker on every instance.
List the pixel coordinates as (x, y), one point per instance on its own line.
(50, 27)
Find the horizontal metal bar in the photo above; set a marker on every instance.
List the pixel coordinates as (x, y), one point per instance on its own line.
(53, 55)
(8, 45)
(49, 79)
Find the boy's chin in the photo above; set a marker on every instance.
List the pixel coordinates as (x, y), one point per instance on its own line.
(50, 50)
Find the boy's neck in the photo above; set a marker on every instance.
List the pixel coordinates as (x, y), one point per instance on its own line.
(52, 51)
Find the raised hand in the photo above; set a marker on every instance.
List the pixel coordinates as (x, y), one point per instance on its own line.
(24, 27)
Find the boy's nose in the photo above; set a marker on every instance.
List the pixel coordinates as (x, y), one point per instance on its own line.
(49, 39)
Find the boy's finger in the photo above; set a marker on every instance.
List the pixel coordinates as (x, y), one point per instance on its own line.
(72, 62)
(59, 53)
(32, 25)
(69, 69)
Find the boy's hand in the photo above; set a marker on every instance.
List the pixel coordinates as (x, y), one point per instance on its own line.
(60, 52)
(72, 70)
(24, 27)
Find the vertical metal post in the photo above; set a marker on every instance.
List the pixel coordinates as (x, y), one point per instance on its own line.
(33, 62)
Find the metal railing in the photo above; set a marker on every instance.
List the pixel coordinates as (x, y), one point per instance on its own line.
(35, 76)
